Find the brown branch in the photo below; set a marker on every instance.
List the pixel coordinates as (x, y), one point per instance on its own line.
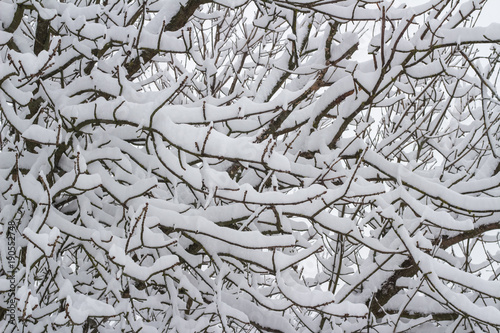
(178, 21)
(445, 241)
(42, 35)
(390, 288)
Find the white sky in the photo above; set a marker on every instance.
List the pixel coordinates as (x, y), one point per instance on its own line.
(491, 13)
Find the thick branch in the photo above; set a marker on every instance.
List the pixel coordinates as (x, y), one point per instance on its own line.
(177, 22)
(42, 35)
(390, 288)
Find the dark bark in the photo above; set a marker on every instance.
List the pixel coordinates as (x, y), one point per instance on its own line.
(176, 23)
(389, 289)
(42, 35)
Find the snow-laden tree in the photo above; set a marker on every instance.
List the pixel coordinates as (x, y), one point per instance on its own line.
(249, 166)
